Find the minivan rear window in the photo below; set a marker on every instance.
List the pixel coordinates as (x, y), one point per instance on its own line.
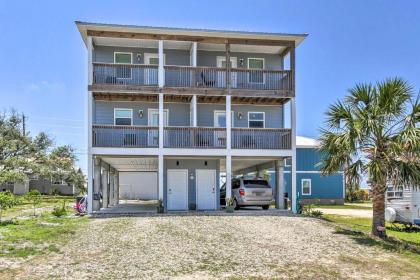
(256, 184)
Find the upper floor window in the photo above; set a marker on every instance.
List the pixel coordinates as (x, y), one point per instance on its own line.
(256, 120)
(220, 119)
(306, 186)
(123, 58)
(123, 116)
(256, 76)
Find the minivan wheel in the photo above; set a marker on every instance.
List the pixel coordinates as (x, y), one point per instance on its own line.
(265, 207)
(235, 205)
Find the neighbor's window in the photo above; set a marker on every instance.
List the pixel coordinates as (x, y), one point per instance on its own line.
(306, 186)
(123, 116)
(123, 72)
(256, 76)
(256, 119)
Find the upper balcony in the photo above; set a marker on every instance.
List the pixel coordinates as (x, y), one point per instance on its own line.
(138, 59)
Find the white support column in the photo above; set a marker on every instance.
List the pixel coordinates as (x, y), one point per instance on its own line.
(117, 188)
(90, 184)
(279, 169)
(160, 176)
(89, 112)
(193, 54)
(111, 187)
(194, 111)
(97, 184)
(161, 121)
(293, 173)
(228, 123)
(104, 184)
(161, 71)
(228, 177)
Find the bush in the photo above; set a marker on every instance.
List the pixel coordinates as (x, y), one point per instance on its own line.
(7, 200)
(60, 211)
(34, 197)
(308, 210)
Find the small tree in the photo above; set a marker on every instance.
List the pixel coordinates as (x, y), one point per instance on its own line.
(7, 200)
(34, 197)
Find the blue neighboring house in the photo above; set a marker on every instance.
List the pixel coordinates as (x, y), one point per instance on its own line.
(311, 186)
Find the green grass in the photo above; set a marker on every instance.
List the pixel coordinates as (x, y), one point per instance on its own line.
(364, 225)
(37, 235)
(22, 234)
(362, 206)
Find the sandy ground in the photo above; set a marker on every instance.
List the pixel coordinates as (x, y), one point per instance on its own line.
(361, 213)
(214, 247)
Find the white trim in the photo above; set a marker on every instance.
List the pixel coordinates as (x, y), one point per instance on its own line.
(196, 188)
(257, 120)
(223, 111)
(310, 186)
(147, 56)
(154, 110)
(131, 57)
(256, 58)
(190, 152)
(233, 61)
(186, 188)
(131, 115)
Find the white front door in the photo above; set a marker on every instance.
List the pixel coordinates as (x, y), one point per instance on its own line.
(151, 74)
(206, 189)
(177, 189)
(221, 62)
(153, 120)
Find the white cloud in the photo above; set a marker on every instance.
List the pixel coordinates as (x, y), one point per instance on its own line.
(45, 87)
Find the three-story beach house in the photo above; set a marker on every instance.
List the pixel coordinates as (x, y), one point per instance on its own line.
(170, 110)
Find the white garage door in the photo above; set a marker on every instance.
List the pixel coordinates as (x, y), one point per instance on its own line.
(138, 185)
(177, 189)
(206, 189)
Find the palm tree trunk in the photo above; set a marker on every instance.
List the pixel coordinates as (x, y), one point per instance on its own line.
(378, 220)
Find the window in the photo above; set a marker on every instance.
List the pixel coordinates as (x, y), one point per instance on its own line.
(220, 119)
(123, 116)
(123, 72)
(58, 182)
(256, 76)
(306, 186)
(256, 119)
(288, 162)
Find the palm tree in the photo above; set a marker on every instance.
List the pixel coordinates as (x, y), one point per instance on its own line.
(374, 131)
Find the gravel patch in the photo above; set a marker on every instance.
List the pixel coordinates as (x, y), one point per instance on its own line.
(214, 247)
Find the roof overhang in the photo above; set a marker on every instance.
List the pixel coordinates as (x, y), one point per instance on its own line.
(205, 36)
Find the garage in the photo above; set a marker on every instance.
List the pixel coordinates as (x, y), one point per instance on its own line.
(138, 185)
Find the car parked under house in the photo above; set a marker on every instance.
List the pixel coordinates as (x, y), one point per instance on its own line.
(164, 105)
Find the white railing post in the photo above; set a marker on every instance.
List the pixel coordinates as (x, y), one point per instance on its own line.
(161, 120)
(228, 178)
(161, 71)
(228, 122)
(293, 136)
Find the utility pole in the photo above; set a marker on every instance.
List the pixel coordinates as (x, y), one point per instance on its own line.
(23, 124)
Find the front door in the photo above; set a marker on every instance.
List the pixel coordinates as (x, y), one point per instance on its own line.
(153, 120)
(151, 74)
(221, 63)
(177, 189)
(206, 189)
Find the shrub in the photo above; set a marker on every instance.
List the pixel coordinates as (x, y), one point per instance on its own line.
(7, 200)
(34, 197)
(60, 211)
(308, 210)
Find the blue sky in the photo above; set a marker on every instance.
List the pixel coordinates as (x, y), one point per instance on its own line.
(43, 60)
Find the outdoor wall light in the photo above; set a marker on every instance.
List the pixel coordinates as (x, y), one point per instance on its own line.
(191, 176)
(140, 114)
(138, 57)
(205, 163)
(241, 62)
(177, 163)
(239, 115)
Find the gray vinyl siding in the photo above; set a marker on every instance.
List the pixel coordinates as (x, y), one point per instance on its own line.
(192, 165)
(273, 114)
(173, 57)
(179, 113)
(182, 57)
(271, 61)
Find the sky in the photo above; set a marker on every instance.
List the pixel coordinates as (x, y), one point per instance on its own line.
(43, 61)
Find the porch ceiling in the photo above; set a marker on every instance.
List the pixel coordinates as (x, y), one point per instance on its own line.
(132, 164)
(244, 163)
(184, 45)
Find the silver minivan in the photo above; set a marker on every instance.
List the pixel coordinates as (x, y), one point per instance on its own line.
(249, 192)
